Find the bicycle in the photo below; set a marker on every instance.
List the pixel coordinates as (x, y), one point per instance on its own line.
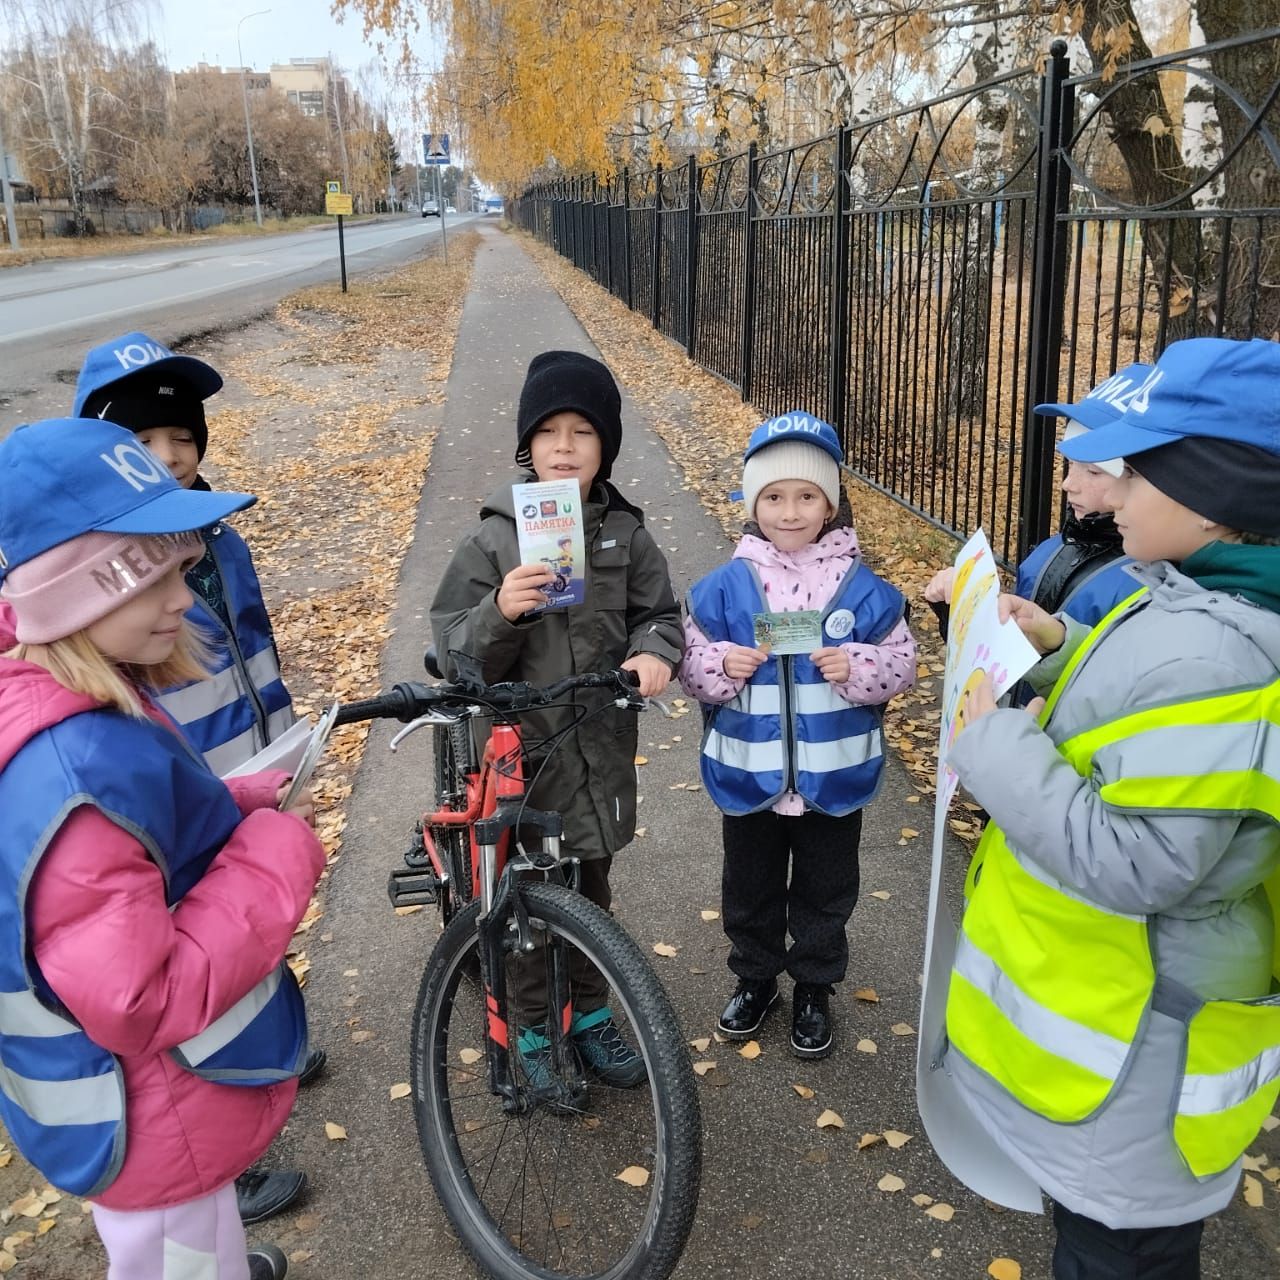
(554, 1152)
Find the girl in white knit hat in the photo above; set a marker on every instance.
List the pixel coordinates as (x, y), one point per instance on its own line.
(792, 648)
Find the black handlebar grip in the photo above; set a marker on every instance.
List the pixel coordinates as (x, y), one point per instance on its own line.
(368, 709)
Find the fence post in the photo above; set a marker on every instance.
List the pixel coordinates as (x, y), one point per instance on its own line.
(1048, 294)
(838, 327)
(608, 235)
(655, 301)
(691, 260)
(626, 238)
(749, 275)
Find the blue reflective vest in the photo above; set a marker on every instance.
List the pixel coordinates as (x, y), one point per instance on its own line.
(1098, 591)
(788, 729)
(244, 704)
(61, 1094)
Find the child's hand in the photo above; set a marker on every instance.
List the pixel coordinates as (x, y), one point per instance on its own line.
(1044, 631)
(939, 589)
(740, 663)
(521, 590)
(979, 701)
(833, 663)
(654, 674)
(303, 807)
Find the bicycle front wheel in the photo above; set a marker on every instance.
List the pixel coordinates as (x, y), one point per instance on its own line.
(604, 1185)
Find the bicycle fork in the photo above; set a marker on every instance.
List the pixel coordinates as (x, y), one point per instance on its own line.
(504, 930)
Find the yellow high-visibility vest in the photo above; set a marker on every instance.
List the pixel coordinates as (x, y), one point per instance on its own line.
(1049, 991)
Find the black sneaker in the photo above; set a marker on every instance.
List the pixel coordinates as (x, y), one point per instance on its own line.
(747, 1007)
(261, 1194)
(811, 1021)
(266, 1262)
(312, 1067)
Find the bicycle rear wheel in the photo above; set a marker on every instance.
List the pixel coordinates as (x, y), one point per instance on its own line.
(454, 755)
(537, 1194)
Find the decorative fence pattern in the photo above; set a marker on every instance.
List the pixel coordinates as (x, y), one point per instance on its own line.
(924, 278)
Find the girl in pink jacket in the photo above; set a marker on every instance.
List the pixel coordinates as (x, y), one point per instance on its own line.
(150, 1033)
(792, 648)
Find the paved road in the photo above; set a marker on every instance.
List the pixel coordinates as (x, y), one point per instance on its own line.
(51, 312)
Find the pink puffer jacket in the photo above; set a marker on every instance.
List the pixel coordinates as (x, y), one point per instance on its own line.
(140, 978)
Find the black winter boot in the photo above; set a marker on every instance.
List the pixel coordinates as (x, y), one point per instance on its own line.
(266, 1262)
(811, 1021)
(747, 1007)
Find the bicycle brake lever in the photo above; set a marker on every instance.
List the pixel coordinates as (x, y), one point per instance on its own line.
(432, 717)
(662, 706)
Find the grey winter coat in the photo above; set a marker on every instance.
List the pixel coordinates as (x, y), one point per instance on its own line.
(630, 608)
(1198, 878)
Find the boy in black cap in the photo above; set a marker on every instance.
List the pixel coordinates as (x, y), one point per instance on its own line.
(488, 606)
(139, 384)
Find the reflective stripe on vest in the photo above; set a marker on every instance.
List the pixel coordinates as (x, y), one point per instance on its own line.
(1058, 1036)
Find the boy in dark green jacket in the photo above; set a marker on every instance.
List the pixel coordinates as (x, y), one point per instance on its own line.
(569, 425)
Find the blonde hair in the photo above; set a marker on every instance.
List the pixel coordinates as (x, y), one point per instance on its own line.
(76, 663)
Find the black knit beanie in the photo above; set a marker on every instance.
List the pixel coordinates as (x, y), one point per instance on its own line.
(559, 381)
(150, 399)
(1230, 483)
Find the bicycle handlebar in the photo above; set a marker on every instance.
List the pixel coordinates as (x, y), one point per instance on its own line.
(409, 699)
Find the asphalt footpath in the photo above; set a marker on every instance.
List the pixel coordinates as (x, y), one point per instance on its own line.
(780, 1196)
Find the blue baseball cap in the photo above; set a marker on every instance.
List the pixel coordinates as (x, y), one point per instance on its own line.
(797, 426)
(1105, 403)
(67, 476)
(133, 353)
(1212, 388)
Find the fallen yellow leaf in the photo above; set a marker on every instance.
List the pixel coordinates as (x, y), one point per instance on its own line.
(891, 1182)
(870, 1140)
(703, 1067)
(896, 1139)
(803, 1090)
(868, 994)
(633, 1175)
(29, 1206)
(45, 1224)
(922, 1200)
(701, 1043)
(909, 833)
(1005, 1269)
(750, 1050)
(1252, 1191)
(902, 1029)
(7, 1261)
(665, 949)
(409, 911)
(642, 759)
(469, 1057)
(400, 1091)
(883, 894)
(866, 1046)
(1270, 1122)
(943, 1212)
(1272, 1174)
(830, 1120)
(334, 1132)
(709, 915)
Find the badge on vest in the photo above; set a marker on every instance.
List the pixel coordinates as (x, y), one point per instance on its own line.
(799, 632)
(840, 623)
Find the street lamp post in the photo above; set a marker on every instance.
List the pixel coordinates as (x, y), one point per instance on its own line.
(248, 128)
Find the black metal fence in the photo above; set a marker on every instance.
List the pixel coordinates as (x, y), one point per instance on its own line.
(924, 278)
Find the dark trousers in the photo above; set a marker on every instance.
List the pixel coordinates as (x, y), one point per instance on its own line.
(1086, 1250)
(527, 975)
(760, 906)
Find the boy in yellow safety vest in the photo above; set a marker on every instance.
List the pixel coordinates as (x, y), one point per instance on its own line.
(1111, 1016)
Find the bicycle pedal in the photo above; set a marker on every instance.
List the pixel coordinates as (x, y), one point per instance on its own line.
(407, 887)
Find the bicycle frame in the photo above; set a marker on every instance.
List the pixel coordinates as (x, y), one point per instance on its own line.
(495, 805)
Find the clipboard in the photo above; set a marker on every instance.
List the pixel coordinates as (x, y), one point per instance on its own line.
(311, 756)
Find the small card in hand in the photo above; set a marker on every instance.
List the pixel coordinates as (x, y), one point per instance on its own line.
(799, 632)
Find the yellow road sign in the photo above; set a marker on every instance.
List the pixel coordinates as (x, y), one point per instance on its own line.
(337, 204)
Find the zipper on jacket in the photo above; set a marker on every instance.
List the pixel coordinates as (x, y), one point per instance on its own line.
(786, 710)
(259, 711)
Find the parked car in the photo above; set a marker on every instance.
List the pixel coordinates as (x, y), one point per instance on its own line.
(450, 209)
(430, 209)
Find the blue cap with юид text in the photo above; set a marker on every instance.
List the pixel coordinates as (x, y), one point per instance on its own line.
(1216, 388)
(799, 426)
(131, 353)
(67, 476)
